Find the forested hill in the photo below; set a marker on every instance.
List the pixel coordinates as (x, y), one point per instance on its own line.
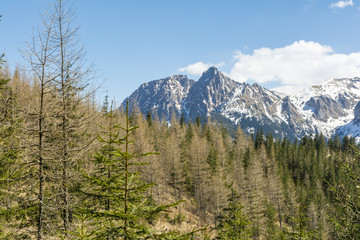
(270, 188)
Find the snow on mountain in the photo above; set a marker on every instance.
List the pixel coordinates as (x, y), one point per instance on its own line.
(329, 105)
(352, 128)
(251, 101)
(162, 97)
(327, 108)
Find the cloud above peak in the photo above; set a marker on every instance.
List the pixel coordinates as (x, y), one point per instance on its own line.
(342, 4)
(295, 66)
(199, 67)
(287, 69)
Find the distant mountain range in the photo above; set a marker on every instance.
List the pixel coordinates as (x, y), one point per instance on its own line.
(330, 108)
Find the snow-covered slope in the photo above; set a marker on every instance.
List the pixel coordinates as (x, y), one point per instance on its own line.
(352, 128)
(330, 105)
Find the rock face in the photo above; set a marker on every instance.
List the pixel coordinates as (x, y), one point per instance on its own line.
(208, 94)
(325, 107)
(357, 112)
(328, 108)
(162, 97)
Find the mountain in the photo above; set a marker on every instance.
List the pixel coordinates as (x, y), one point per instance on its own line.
(208, 94)
(327, 108)
(161, 97)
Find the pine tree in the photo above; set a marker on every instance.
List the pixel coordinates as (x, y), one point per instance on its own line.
(301, 229)
(10, 158)
(234, 222)
(198, 121)
(271, 228)
(115, 198)
(149, 118)
(345, 219)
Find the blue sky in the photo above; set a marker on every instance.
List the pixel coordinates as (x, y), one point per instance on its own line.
(285, 45)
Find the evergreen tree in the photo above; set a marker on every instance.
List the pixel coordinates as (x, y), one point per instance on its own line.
(345, 219)
(149, 118)
(182, 119)
(115, 194)
(234, 222)
(198, 121)
(259, 139)
(271, 228)
(10, 157)
(247, 158)
(300, 230)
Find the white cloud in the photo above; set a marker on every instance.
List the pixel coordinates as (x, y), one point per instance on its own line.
(296, 66)
(342, 4)
(199, 67)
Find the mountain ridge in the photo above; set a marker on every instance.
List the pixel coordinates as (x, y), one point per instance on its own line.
(327, 108)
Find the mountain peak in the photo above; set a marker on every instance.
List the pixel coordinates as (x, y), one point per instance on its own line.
(212, 70)
(213, 75)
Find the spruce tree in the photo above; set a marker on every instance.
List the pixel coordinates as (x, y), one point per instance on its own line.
(10, 159)
(114, 195)
(345, 219)
(234, 222)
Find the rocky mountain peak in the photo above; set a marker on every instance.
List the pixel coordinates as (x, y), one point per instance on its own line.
(212, 75)
(212, 71)
(208, 93)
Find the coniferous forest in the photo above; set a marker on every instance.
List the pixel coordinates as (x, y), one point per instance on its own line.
(71, 168)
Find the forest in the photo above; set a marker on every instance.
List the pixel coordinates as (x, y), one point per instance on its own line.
(71, 168)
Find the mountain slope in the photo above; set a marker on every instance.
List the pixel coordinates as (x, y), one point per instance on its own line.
(352, 128)
(162, 97)
(330, 105)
